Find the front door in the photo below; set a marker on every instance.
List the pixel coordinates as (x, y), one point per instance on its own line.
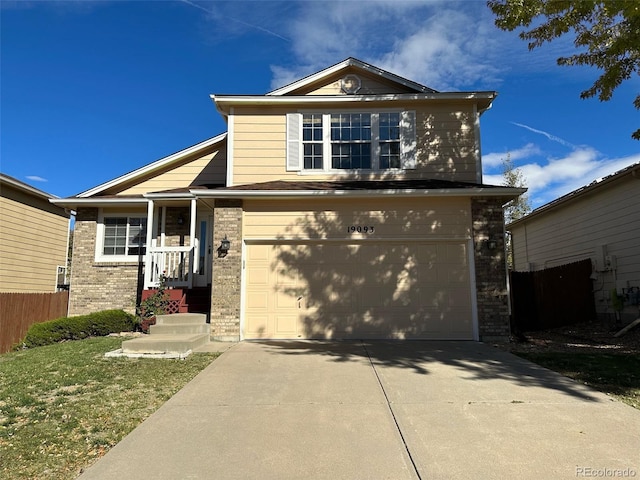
(204, 234)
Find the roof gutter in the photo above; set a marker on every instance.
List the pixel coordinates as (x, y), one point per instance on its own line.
(98, 202)
(507, 193)
(225, 102)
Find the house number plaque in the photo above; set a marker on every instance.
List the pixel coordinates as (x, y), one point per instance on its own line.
(361, 229)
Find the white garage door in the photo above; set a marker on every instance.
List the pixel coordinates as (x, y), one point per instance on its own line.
(338, 290)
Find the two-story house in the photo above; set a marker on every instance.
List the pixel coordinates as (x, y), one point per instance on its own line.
(348, 204)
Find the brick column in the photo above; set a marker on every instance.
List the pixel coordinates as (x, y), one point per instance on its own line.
(225, 283)
(490, 266)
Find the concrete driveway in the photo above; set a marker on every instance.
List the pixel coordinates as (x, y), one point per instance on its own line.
(379, 410)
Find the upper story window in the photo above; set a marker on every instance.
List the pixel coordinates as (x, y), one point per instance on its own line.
(121, 238)
(351, 141)
(312, 141)
(390, 140)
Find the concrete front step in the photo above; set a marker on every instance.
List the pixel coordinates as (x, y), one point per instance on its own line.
(181, 318)
(165, 343)
(179, 328)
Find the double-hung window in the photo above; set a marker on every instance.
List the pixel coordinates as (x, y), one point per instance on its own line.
(351, 141)
(389, 140)
(121, 238)
(312, 141)
(339, 141)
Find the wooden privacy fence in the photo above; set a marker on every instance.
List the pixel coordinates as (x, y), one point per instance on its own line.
(18, 311)
(552, 297)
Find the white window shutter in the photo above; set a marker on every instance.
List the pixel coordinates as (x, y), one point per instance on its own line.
(294, 144)
(408, 147)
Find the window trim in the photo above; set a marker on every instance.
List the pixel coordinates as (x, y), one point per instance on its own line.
(295, 142)
(100, 257)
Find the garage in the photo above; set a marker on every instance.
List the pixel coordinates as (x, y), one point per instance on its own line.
(350, 289)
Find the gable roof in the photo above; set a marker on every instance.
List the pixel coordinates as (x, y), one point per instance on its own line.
(345, 64)
(632, 171)
(152, 167)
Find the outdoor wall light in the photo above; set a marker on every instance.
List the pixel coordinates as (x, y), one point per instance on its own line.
(492, 244)
(225, 244)
(180, 219)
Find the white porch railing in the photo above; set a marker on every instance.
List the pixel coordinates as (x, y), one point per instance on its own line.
(175, 263)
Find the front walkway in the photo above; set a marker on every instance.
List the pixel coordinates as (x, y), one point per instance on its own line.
(378, 410)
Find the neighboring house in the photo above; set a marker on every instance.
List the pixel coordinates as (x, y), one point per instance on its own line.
(34, 238)
(348, 204)
(601, 222)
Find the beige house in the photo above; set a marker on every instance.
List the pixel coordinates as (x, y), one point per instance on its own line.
(601, 222)
(34, 238)
(348, 204)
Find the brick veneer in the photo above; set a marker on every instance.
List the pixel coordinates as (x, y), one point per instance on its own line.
(225, 284)
(491, 274)
(98, 286)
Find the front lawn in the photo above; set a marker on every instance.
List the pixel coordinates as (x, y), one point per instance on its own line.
(63, 406)
(617, 374)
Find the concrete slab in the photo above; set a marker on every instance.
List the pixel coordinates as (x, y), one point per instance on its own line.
(469, 411)
(215, 347)
(531, 441)
(376, 410)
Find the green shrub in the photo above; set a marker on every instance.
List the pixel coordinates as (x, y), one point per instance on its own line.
(75, 328)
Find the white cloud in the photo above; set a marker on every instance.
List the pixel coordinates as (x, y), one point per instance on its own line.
(599, 169)
(35, 178)
(491, 160)
(551, 178)
(444, 45)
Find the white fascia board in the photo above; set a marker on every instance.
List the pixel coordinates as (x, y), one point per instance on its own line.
(75, 202)
(169, 196)
(349, 62)
(25, 187)
(507, 192)
(154, 166)
(225, 102)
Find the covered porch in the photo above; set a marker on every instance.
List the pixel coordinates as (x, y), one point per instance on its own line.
(179, 239)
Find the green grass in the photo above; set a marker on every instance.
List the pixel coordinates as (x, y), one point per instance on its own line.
(615, 374)
(63, 406)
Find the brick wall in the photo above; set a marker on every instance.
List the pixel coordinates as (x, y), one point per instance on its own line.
(225, 285)
(179, 236)
(491, 274)
(98, 286)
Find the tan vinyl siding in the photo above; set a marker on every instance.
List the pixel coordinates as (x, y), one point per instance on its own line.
(368, 86)
(578, 229)
(396, 218)
(445, 138)
(33, 242)
(208, 169)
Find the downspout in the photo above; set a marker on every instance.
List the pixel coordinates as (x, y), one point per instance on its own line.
(477, 146)
(67, 275)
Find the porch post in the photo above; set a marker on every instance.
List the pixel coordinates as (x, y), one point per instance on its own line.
(147, 263)
(192, 241)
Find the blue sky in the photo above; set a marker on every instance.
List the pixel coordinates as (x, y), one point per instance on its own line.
(93, 90)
